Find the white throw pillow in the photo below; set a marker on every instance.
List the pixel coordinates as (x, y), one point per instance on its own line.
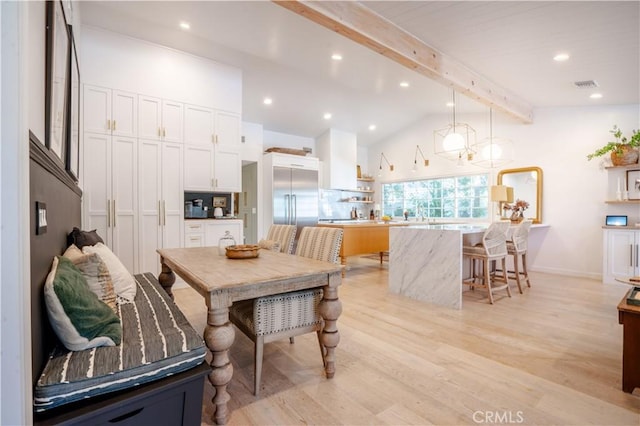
(123, 282)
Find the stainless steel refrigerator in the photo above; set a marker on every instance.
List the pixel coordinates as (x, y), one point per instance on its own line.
(295, 197)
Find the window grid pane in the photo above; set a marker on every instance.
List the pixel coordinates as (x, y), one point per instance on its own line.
(450, 197)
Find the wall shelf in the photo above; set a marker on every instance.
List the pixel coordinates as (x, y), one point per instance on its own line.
(629, 167)
(623, 202)
(366, 179)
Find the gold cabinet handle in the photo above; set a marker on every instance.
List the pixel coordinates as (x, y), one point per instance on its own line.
(113, 125)
(108, 124)
(159, 131)
(164, 132)
(108, 213)
(159, 213)
(114, 213)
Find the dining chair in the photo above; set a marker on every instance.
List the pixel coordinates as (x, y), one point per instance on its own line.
(270, 318)
(517, 247)
(284, 235)
(492, 249)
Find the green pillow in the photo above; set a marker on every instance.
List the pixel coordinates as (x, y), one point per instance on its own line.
(79, 318)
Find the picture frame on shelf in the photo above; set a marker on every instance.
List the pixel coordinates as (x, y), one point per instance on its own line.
(219, 201)
(58, 44)
(72, 161)
(633, 184)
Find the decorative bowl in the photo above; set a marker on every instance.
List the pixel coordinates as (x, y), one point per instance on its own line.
(242, 251)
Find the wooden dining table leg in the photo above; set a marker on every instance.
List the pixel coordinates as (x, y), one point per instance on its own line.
(166, 278)
(330, 308)
(219, 336)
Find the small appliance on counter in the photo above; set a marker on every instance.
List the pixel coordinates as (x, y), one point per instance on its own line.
(194, 209)
(217, 212)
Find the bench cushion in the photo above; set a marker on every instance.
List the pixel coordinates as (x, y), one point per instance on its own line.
(157, 341)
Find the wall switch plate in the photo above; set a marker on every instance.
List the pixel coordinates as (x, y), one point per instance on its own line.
(41, 218)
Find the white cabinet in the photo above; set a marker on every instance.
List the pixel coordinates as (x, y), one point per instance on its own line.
(160, 200)
(215, 229)
(110, 195)
(160, 119)
(111, 112)
(621, 254)
(193, 233)
(207, 233)
(212, 153)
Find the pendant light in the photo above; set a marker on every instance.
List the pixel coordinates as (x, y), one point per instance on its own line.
(454, 142)
(492, 151)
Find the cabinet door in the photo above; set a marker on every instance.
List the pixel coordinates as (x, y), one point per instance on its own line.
(172, 195)
(172, 119)
(227, 169)
(194, 240)
(124, 114)
(97, 109)
(149, 118)
(228, 128)
(216, 230)
(198, 125)
(620, 253)
(198, 168)
(123, 176)
(149, 205)
(97, 185)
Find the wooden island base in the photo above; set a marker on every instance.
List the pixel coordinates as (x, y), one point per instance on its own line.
(363, 238)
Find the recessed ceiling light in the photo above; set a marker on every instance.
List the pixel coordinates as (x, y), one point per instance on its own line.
(267, 101)
(336, 57)
(595, 95)
(372, 127)
(450, 104)
(560, 57)
(404, 84)
(185, 25)
(327, 116)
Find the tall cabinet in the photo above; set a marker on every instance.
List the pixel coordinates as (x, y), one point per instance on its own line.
(160, 201)
(110, 164)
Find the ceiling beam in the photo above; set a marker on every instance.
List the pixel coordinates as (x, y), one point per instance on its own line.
(362, 25)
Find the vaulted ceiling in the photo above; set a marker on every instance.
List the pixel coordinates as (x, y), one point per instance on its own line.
(287, 57)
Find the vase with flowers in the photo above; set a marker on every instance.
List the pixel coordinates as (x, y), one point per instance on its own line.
(517, 210)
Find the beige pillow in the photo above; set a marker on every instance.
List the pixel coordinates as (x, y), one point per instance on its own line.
(73, 252)
(96, 273)
(269, 245)
(123, 282)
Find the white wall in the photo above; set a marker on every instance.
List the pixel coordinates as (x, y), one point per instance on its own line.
(154, 70)
(574, 189)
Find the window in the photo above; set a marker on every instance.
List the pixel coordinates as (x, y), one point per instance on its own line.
(455, 197)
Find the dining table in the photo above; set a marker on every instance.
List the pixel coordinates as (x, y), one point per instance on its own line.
(221, 281)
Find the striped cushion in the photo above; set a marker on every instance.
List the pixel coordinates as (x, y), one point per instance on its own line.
(284, 235)
(320, 243)
(157, 341)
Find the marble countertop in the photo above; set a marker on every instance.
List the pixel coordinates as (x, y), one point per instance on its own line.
(464, 228)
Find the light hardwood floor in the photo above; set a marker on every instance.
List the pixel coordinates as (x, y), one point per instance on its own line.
(551, 356)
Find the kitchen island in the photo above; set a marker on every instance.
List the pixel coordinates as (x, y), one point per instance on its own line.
(363, 237)
(426, 263)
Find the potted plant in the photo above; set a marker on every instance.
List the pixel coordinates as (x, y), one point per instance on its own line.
(517, 210)
(623, 151)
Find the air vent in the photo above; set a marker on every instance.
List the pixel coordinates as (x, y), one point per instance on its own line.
(586, 84)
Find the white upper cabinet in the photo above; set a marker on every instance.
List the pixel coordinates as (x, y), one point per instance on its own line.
(212, 153)
(228, 128)
(160, 119)
(198, 125)
(109, 111)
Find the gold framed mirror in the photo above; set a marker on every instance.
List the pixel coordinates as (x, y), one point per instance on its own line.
(527, 185)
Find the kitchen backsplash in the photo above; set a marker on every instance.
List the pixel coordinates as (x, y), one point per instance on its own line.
(334, 204)
(222, 199)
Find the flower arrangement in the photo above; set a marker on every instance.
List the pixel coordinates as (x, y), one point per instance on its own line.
(518, 206)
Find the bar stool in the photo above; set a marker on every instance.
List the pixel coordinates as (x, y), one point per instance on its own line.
(517, 247)
(492, 249)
